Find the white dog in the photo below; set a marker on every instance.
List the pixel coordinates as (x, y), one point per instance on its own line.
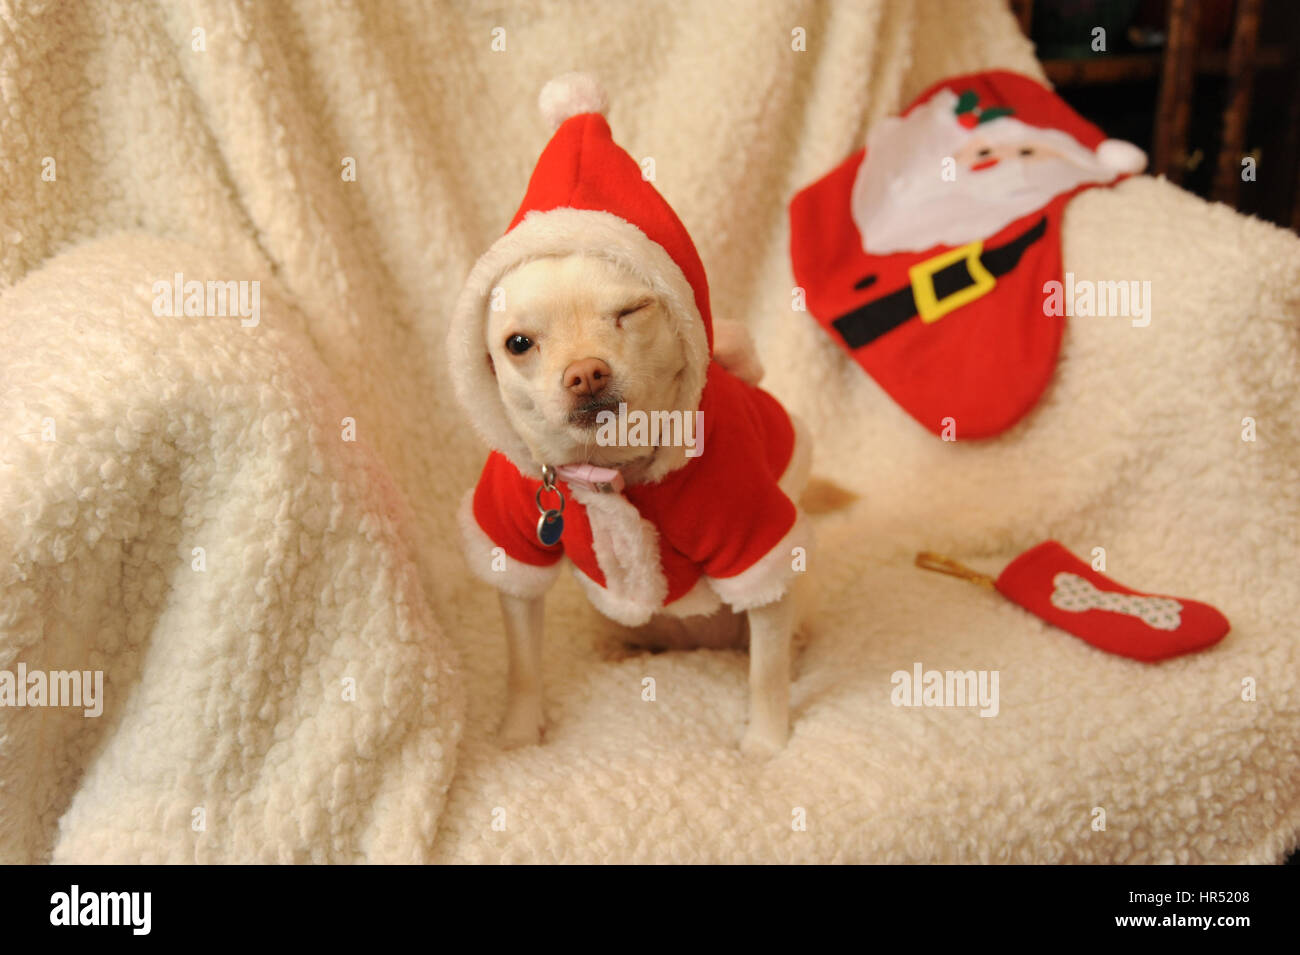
(583, 350)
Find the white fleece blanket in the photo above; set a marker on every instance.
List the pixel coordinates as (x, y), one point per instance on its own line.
(250, 529)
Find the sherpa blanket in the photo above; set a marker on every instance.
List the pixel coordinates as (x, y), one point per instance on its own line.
(237, 506)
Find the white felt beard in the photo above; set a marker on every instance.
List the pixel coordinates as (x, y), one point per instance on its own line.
(903, 202)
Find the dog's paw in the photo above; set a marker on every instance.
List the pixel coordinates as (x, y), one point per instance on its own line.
(523, 726)
(763, 742)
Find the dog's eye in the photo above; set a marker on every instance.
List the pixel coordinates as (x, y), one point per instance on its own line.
(518, 344)
(1027, 151)
(632, 309)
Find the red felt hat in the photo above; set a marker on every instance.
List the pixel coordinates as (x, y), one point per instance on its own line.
(586, 196)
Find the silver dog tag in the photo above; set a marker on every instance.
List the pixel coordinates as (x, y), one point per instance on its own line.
(550, 526)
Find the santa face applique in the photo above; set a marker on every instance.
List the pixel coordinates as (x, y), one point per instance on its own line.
(925, 254)
(929, 179)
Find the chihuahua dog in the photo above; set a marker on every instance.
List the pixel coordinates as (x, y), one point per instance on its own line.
(627, 433)
(579, 336)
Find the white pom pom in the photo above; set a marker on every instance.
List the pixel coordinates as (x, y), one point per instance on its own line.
(1121, 156)
(571, 95)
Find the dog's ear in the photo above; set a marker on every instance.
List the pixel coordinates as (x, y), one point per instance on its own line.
(733, 347)
(492, 366)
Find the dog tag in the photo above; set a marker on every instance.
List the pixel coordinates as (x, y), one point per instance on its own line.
(550, 526)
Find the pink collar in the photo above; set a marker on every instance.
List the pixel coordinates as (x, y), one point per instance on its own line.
(591, 478)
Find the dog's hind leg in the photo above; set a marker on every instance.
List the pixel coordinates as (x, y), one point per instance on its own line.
(770, 629)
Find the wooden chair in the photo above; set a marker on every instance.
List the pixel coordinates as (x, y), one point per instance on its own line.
(1177, 68)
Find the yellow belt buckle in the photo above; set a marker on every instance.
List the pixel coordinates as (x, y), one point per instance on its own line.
(928, 305)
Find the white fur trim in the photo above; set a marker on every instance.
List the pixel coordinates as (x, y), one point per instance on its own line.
(553, 233)
(769, 578)
(699, 601)
(1122, 156)
(515, 577)
(733, 347)
(627, 550)
(571, 94)
(613, 606)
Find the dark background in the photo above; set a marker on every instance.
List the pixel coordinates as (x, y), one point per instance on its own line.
(1119, 89)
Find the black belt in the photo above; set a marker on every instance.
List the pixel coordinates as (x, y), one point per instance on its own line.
(868, 322)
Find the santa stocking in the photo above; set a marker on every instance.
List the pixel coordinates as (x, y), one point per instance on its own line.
(1052, 583)
(925, 255)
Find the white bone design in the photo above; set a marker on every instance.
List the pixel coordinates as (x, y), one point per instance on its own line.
(1074, 593)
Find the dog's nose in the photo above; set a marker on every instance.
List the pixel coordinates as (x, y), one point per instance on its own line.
(587, 376)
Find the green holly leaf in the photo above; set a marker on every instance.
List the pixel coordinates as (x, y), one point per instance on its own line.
(967, 102)
(995, 112)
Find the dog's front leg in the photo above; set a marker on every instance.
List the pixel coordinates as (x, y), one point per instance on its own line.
(770, 628)
(524, 722)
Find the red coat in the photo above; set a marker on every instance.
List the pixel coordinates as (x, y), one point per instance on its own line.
(719, 527)
(716, 517)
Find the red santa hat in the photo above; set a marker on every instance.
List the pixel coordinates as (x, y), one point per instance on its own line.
(586, 196)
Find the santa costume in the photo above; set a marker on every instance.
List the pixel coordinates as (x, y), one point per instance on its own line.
(721, 527)
(925, 254)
